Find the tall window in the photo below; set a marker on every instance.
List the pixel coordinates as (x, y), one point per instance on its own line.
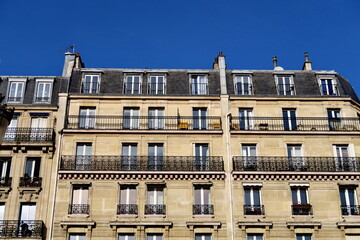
(303, 236)
(155, 200)
(155, 156)
(201, 157)
(300, 201)
(32, 168)
(83, 156)
(131, 118)
(202, 200)
(294, 153)
(342, 160)
(77, 236)
(87, 118)
(156, 85)
(285, 85)
(5, 165)
(38, 129)
(253, 236)
(203, 236)
(16, 90)
(128, 200)
(289, 119)
(199, 85)
(199, 118)
(127, 236)
(43, 91)
(252, 201)
(328, 87)
(90, 84)
(156, 118)
(10, 134)
(80, 198)
(132, 84)
(129, 156)
(154, 236)
(246, 121)
(243, 85)
(27, 212)
(334, 119)
(248, 152)
(349, 201)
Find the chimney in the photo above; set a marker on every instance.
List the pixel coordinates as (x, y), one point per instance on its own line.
(219, 64)
(72, 60)
(307, 63)
(275, 61)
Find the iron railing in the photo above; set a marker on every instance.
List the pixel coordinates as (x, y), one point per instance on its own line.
(14, 99)
(127, 209)
(30, 181)
(5, 182)
(350, 210)
(254, 210)
(141, 163)
(295, 124)
(203, 209)
(155, 209)
(286, 89)
(300, 164)
(22, 229)
(301, 209)
(28, 135)
(90, 87)
(156, 88)
(143, 122)
(132, 88)
(79, 209)
(243, 88)
(199, 89)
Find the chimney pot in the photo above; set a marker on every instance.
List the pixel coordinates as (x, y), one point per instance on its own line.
(275, 61)
(307, 64)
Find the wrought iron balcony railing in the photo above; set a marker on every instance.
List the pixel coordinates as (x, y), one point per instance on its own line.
(5, 182)
(29, 135)
(30, 181)
(155, 209)
(295, 124)
(141, 163)
(143, 123)
(301, 209)
(203, 209)
(300, 164)
(347, 210)
(79, 209)
(21, 229)
(90, 87)
(156, 88)
(127, 209)
(254, 210)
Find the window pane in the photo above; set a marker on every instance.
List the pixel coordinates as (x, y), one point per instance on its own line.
(126, 237)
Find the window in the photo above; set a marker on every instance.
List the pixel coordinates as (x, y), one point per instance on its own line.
(2, 213)
(199, 85)
(90, 84)
(38, 131)
(243, 85)
(10, 134)
(253, 201)
(128, 200)
(132, 84)
(246, 119)
(87, 118)
(83, 156)
(303, 236)
(352, 237)
(155, 156)
(199, 118)
(32, 168)
(5, 164)
(126, 236)
(43, 91)
(285, 85)
(156, 118)
(201, 157)
(254, 237)
(328, 87)
(294, 153)
(27, 217)
(334, 119)
(289, 118)
(349, 202)
(300, 201)
(129, 156)
(342, 160)
(79, 203)
(202, 204)
(16, 90)
(155, 200)
(156, 85)
(248, 152)
(131, 118)
(203, 236)
(77, 236)
(154, 236)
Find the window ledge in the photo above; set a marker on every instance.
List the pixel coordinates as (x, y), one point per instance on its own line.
(303, 216)
(155, 216)
(78, 215)
(203, 215)
(126, 216)
(254, 216)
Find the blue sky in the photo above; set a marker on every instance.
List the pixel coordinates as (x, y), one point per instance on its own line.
(180, 34)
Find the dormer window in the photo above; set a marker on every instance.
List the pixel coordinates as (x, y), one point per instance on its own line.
(156, 85)
(132, 84)
(243, 85)
(328, 86)
(285, 85)
(16, 90)
(90, 84)
(43, 90)
(199, 85)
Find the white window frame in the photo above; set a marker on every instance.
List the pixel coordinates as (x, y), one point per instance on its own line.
(199, 84)
(298, 194)
(127, 236)
(78, 236)
(43, 81)
(134, 123)
(252, 195)
(248, 118)
(82, 190)
(292, 84)
(18, 81)
(203, 236)
(157, 121)
(253, 236)
(87, 120)
(154, 236)
(333, 83)
(91, 83)
(156, 84)
(302, 235)
(133, 84)
(240, 79)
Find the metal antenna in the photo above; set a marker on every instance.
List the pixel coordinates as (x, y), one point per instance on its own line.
(72, 47)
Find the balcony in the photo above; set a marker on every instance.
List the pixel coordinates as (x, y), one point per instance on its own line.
(203, 209)
(254, 210)
(155, 209)
(142, 123)
(30, 182)
(301, 209)
(350, 210)
(127, 209)
(5, 182)
(79, 209)
(294, 124)
(141, 163)
(298, 164)
(33, 135)
(22, 229)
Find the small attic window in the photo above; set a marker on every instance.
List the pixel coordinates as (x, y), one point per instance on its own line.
(285, 85)
(243, 85)
(328, 86)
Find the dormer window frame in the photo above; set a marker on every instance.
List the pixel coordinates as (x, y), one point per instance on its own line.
(43, 99)
(125, 91)
(91, 89)
(282, 87)
(156, 91)
(16, 98)
(328, 87)
(201, 84)
(249, 88)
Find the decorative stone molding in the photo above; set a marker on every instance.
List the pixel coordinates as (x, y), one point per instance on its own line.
(296, 176)
(29, 193)
(245, 226)
(4, 192)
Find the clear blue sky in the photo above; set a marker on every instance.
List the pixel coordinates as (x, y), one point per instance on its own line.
(180, 34)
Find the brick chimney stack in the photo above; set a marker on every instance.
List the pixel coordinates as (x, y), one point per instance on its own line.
(307, 64)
